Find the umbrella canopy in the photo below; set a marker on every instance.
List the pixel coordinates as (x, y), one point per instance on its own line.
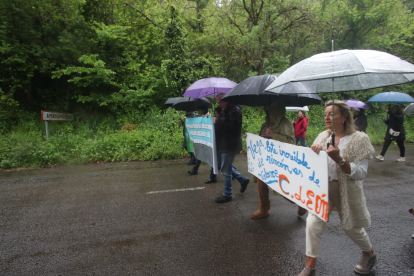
(297, 108)
(251, 92)
(391, 97)
(172, 101)
(209, 87)
(190, 104)
(356, 104)
(344, 70)
(350, 69)
(409, 109)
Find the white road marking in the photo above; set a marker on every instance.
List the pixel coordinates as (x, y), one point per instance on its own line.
(175, 190)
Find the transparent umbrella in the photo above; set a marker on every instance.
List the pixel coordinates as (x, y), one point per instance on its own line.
(297, 108)
(409, 109)
(344, 70)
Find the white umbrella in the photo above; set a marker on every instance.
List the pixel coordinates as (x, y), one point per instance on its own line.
(409, 109)
(297, 108)
(344, 70)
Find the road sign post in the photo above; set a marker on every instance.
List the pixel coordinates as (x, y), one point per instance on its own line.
(54, 116)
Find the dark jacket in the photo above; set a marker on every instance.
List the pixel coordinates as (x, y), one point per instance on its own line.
(228, 130)
(301, 125)
(361, 122)
(395, 122)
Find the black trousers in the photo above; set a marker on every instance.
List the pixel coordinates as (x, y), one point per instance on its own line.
(400, 144)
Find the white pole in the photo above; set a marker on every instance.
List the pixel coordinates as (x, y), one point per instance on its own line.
(47, 130)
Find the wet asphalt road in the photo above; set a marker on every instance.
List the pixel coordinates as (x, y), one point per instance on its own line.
(106, 219)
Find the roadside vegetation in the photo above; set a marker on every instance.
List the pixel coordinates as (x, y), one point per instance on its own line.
(113, 64)
(158, 135)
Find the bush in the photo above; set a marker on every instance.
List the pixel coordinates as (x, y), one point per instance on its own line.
(157, 135)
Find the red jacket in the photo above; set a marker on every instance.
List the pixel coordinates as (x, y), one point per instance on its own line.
(301, 125)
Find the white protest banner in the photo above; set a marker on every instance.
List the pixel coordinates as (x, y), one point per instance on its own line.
(201, 132)
(295, 172)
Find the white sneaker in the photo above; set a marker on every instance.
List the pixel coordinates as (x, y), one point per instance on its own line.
(412, 236)
(401, 159)
(380, 157)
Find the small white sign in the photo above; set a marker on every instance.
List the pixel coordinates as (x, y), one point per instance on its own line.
(295, 172)
(55, 116)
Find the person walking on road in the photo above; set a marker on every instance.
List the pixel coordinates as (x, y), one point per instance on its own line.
(235, 174)
(395, 132)
(202, 110)
(213, 177)
(360, 120)
(229, 144)
(301, 125)
(347, 168)
(193, 160)
(279, 128)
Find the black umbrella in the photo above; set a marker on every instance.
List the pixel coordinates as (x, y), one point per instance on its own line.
(251, 92)
(172, 101)
(190, 104)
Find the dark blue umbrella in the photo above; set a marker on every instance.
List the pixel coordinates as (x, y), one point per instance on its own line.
(391, 97)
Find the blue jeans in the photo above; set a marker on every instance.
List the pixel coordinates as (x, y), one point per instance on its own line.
(234, 173)
(225, 161)
(302, 142)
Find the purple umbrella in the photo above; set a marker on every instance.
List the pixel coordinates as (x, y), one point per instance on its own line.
(209, 87)
(356, 104)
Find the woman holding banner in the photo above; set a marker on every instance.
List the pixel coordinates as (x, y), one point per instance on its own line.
(347, 168)
(276, 127)
(202, 110)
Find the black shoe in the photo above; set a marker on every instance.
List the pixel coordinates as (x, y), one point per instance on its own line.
(210, 181)
(244, 185)
(193, 172)
(223, 199)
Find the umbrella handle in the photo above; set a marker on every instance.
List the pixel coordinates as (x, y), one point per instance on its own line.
(333, 139)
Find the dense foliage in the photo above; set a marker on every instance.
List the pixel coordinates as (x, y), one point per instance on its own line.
(113, 63)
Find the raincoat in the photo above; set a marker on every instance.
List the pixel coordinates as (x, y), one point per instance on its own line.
(301, 125)
(282, 128)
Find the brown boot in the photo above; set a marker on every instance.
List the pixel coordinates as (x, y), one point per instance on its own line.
(259, 214)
